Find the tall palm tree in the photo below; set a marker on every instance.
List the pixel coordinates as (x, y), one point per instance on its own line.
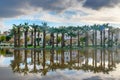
(44, 28)
(38, 35)
(117, 30)
(101, 29)
(35, 30)
(85, 30)
(104, 38)
(15, 34)
(57, 31)
(52, 31)
(96, 28)
(19, 33)
(31, 31)
(71, 33)
(62, 31)
(79, 30)
(26, 28)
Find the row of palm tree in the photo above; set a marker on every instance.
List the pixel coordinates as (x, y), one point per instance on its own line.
(83, 34)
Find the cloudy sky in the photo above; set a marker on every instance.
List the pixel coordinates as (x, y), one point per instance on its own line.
(59, 12)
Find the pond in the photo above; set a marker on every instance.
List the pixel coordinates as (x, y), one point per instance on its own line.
(61, 64)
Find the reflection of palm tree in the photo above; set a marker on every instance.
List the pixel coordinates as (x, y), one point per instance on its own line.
(25, 70)
(34, 70)
(31, 57)
(15, 64)
(44, 70)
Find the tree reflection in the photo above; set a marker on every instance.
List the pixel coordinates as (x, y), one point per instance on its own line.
(44, 61)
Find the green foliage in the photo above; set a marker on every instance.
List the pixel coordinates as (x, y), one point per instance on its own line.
(2, 38)
(59, 39)
(8, 38)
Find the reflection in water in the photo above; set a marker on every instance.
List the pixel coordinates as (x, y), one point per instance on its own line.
(44, 61)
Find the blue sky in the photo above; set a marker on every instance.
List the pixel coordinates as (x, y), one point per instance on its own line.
(59, 12)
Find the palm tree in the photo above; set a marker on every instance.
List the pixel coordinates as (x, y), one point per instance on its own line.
(38, 35)
(85, 30)
(31, 30)
(79, 29)
(26, 28)
(35, 30)
(62, 31)
(117, 30)
(15, 34)
(52, 31)
(109, 35)
(104, 38)
(44, 27)
(101, 29)
(95, 28)
(57, 31)
(71, 33)
(19, 28)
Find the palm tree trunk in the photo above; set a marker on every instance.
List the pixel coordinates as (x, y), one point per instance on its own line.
(18, 37)
(52, 40)
(15, 39)
(34, 37)
(104, 38)
(26, 38)
(78, 39)
(93, 37)
(38, 39)
(86, 42)
(57, 40)
(101, 38)
(62, 43)
(96, 38)
(44, 40)
(108, 37)
(112, 40)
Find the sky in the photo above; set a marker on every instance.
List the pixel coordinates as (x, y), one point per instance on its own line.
(59, 12)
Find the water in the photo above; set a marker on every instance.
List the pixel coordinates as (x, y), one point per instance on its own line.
(85, 64)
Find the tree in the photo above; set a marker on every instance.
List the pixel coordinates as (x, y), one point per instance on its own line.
(85, 30)
(52, 31)
(14, 30)
(57, 31)
(19, 33)
(71, 33)
(26, 28)
(35, 30)
(62, 31)
(44, 28)
(79, 30)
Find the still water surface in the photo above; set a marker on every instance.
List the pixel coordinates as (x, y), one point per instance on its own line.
(87, 64)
